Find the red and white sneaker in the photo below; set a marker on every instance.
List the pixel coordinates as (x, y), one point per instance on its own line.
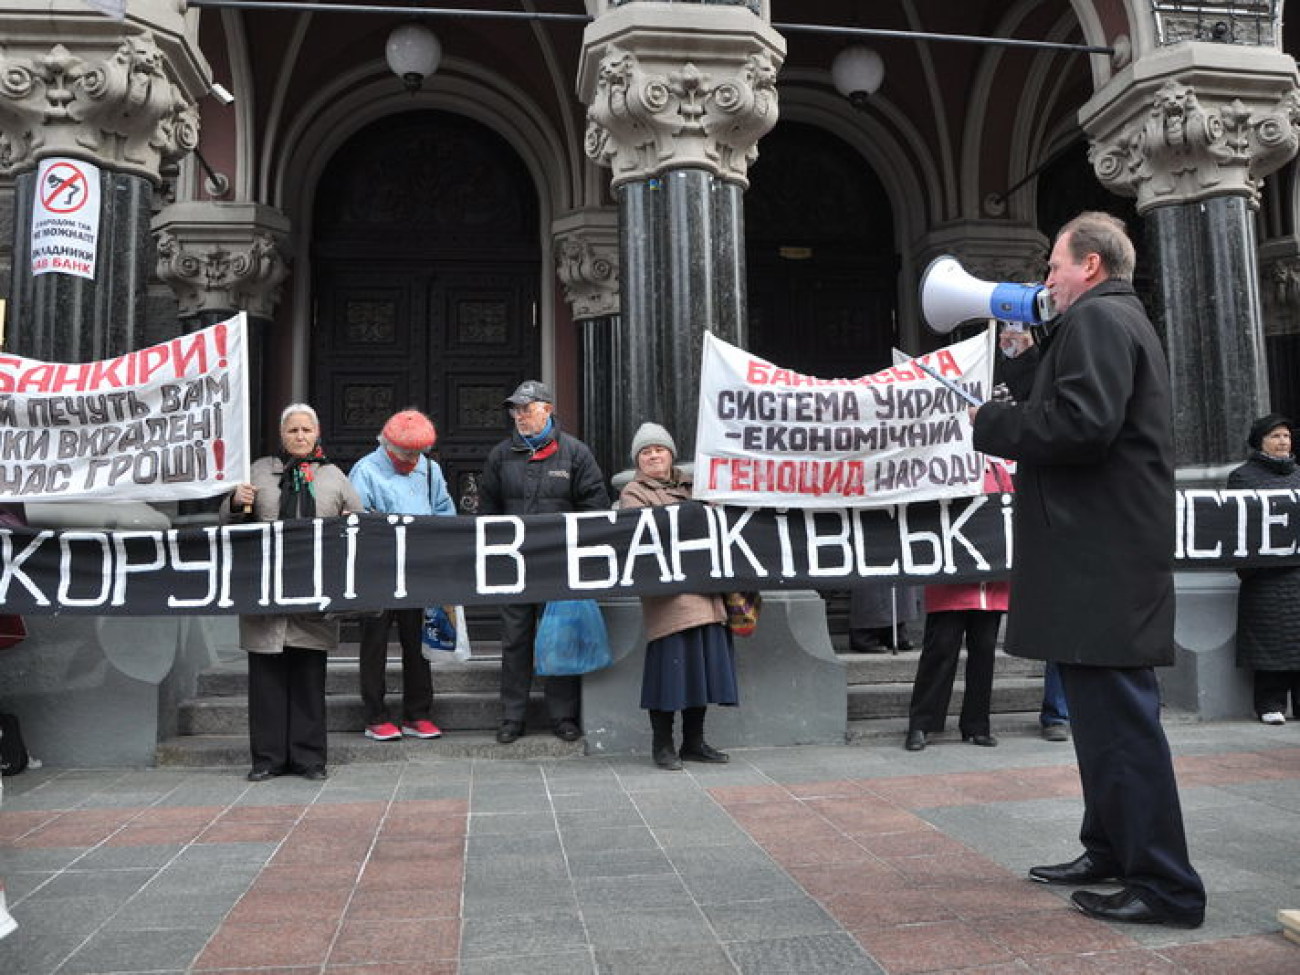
(387, 731)
(421, 729)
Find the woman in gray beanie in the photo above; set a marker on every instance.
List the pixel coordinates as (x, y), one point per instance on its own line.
(689, 659)
(1268, 604)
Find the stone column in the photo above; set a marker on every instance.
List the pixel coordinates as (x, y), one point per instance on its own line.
(678, 95)
(586, 262)
(1279, 276)
(1191, 130)
(224, 258)
(120, 95)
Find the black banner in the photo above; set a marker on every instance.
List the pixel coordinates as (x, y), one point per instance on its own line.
(375, 561)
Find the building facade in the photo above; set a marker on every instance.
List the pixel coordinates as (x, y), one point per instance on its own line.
(577, 190)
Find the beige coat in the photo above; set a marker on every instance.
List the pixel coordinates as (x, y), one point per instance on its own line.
(334, 495)
(665, 615)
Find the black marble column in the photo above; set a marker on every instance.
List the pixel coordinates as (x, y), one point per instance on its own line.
(1209, 313)
(62, 318)
(601, 375)
(682, 273)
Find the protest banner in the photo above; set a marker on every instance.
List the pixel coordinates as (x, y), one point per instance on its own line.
(773, 437)
(158, 424)
(65, 218)
(365, 562)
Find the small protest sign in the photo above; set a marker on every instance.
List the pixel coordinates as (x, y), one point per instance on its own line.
(65, 218)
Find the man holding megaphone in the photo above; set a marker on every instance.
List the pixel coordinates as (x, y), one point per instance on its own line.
(1092, 579)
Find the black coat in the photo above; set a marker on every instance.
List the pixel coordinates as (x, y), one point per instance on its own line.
(1268, 605)
(520, 481)
(1092, 578)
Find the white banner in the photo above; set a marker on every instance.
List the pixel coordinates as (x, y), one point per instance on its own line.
(772, 437)
(158, 424)
(65, 218)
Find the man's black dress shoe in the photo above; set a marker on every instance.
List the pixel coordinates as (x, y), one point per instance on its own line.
(509, 731)
(316, 773)
(1084, 870)
(1128, 906)
(915, 740)
(984, 741)
(262, 774)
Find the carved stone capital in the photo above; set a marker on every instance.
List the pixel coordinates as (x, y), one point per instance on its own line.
(1194, 121)
(223, 257)
(586, 261)
(76, 83)
(677, 85)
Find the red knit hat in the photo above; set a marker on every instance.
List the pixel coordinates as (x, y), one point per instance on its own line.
(409, 430)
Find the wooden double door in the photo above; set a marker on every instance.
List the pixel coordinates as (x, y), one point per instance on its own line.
(451, 339)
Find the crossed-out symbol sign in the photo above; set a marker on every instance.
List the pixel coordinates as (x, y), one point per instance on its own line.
(65, 189)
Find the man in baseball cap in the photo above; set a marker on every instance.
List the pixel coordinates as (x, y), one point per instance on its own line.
(536, 470)
(529, 391)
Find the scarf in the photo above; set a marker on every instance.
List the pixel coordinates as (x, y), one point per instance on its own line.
(297, 492)
(538, 441)
(1278, 465)
(400, 464)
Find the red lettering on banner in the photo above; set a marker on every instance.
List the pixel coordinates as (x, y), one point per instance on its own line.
(758, 373)
(815, 478)
(176, 359)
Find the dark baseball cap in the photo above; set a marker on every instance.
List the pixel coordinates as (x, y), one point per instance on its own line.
(530, 391)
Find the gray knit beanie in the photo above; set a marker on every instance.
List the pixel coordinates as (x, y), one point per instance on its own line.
(652, 435)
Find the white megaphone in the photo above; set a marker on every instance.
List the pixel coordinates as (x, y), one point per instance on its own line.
(950, 296)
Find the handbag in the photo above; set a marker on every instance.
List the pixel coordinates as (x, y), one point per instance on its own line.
(571, 639)
(12, 630)
(742, 611)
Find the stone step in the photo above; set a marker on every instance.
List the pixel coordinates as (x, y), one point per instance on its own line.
(1012, 694)
(891, 668)
(450, 676)
(479, 711)
(231, 750)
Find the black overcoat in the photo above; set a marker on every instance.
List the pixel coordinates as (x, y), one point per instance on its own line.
(1268, 605)
(1092, 577)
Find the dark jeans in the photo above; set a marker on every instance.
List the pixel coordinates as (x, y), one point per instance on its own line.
(417, 681)
(518, 631)
(1054, 709)
(286, 710)
(1132, 819)
(937, 668)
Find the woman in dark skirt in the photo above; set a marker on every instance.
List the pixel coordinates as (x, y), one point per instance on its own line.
(689, 659)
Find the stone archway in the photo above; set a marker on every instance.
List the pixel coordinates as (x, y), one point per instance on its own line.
(425, 272)
(822, 269)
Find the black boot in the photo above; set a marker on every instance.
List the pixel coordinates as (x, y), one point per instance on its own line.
(694, 747)
(665, 756)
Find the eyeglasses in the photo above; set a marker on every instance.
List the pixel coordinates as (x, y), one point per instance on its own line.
(521, 410)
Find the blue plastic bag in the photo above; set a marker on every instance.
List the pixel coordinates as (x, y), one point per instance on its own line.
(571, 639)
(444, 632)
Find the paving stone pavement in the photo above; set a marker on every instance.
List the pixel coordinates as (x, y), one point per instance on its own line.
(861, 858)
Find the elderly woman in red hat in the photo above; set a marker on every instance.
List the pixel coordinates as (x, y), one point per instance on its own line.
(396, 478)
(287, 652)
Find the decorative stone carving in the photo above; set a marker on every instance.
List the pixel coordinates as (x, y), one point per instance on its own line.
(586, 262)
(121, 109)
(223, 257)
(1279, 273)
(1193, 122)
(671, 86)
(990, 250)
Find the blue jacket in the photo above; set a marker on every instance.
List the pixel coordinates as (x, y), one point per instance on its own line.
(382, 489)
